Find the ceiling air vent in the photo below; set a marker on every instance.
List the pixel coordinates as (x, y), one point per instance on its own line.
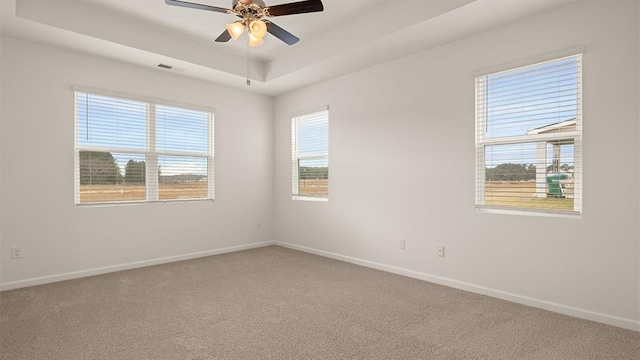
(171, 67)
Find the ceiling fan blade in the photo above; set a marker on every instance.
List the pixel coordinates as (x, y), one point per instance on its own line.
(224, 37)
(296, 8)
(196, 6)
(281, 34)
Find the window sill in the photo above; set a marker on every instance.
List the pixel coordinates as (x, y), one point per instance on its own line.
(133, 203)
(530, 212)
(309, 198)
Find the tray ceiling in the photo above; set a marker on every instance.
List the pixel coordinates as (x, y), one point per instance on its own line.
(347, 36)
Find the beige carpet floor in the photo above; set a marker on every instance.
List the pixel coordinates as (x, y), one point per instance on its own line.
(276, 303)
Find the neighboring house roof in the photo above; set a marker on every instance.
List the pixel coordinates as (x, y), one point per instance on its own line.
(568, 125)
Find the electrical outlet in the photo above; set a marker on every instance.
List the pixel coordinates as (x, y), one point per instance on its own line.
(440, 250)
(258, 226)
(402, 244)
(16, 252)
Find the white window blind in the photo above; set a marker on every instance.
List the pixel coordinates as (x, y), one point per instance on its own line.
(310, 154)
(132, 151)
(528, 138)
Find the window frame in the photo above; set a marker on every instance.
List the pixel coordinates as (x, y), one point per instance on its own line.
(152, 184)
(575, 136)
(296, 157)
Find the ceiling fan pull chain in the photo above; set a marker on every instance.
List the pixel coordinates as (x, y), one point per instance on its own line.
(248, 66)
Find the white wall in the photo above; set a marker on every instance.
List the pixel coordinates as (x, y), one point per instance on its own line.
(2, 258)
(402, 166)
(37, 150)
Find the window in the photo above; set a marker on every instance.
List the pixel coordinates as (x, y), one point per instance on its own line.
(528, 138)
(310, 160)
(134, 151)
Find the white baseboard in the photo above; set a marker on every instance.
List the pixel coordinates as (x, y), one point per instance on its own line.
(478, 289)
(133, 265)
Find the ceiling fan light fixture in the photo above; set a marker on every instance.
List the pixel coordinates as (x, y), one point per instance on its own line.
(235, 29)
(258, 28)
(254, 40)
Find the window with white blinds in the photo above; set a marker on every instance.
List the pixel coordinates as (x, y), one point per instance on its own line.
(528, 138)
(310, 155)
(134, 151)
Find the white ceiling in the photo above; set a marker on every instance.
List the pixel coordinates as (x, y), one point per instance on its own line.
(347, 36)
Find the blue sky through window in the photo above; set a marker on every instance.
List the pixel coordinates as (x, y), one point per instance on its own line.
(181, 130)
(109, 122)
(521, 100)
(313, 138)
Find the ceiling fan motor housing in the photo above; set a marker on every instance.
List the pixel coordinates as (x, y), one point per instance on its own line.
(249, 12)
(259, 3)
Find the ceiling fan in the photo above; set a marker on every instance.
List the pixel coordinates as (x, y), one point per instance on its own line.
(251, 13)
